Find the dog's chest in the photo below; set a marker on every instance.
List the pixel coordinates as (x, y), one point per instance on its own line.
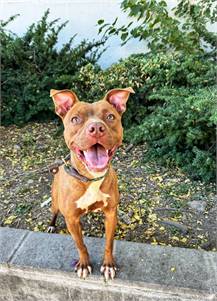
(93, 199)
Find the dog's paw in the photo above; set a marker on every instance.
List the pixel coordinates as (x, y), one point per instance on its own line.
(51, 229)
(83, 270)
(109, 271)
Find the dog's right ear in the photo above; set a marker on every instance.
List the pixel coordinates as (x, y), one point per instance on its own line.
(63, 101)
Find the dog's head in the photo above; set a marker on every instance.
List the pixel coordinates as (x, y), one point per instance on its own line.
(93, 131)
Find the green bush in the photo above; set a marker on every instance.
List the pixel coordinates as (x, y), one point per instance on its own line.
(92, 84)
(31, 65)
(185, 29)
(146, 73)
(174, 108)
(182, 130)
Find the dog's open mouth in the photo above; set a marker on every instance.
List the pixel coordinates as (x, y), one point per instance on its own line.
(96, 157)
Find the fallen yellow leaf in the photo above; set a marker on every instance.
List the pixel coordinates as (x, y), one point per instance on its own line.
(10, 220)
(173, 269)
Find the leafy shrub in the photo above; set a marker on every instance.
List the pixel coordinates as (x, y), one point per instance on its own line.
(185, 29)
(146, 73)
(177, 96)
(173, 110)
(92, 85)
(182, 130)
(31, 65)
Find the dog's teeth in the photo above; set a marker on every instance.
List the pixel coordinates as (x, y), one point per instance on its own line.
(107, 151)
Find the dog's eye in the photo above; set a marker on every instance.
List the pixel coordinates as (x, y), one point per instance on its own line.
(110, 117)
(76, 120)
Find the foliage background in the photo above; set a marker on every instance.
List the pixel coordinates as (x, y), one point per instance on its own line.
(174, 108)
(31, 65)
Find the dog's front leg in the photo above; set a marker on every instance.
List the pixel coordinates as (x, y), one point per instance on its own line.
(108, 268)
(83, 266)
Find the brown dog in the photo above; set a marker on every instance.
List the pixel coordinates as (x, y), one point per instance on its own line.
(92, 132)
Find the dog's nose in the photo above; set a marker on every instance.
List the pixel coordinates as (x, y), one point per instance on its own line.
(96, 129)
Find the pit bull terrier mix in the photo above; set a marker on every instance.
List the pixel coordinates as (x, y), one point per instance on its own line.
(92, 132)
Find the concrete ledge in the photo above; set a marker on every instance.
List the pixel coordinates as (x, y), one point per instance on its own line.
(37, 266)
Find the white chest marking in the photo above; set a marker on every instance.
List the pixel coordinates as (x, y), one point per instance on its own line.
(92, 194)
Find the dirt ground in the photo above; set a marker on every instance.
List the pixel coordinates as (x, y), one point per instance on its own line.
(158, 205)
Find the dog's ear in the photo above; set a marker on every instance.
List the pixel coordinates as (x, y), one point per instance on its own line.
(118, 98)
(63, 101)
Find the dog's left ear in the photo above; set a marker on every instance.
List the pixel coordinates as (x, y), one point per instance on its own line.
(63, 101)
(118, 98)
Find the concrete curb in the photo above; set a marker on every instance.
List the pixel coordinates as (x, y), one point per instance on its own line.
(37, 266)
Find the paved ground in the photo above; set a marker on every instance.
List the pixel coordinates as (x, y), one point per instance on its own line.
(37, 266)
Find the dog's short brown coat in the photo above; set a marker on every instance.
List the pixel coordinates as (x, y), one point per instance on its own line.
(72, 197)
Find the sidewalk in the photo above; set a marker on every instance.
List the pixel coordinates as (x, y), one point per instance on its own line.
(37, 266)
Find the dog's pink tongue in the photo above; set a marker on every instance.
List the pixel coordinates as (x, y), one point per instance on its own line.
(96, 157)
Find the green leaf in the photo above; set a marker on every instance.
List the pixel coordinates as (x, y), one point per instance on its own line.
(101, 21)
(124, 36)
